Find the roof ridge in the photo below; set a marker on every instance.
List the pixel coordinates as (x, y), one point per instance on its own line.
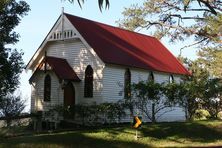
(112, 26)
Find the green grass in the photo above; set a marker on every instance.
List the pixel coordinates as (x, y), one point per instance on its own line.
(199, 133)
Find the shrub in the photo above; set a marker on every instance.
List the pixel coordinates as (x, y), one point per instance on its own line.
(112, 111)
(219, 115)
(11, 106)
(89, 114)
(201, 114)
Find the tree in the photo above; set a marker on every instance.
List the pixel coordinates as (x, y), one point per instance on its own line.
(213, 97)
(11, 106)
(201, 90)
(177, 20)
(11, 63)
(211, 59)
(195, 86)
(150, 100)
(100, 3)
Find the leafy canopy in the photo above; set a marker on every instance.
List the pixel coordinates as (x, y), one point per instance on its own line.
(211, 59)
(100, 3)
(177, 20)
(11, 63)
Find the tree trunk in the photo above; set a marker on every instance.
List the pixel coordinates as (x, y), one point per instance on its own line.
(216, 110)
(186, 113)
(153, 113)
(8, 122)
(131, 110)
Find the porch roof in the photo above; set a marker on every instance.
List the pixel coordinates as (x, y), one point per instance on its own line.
(61, 68)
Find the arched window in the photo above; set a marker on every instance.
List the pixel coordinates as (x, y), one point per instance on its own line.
(171, 79)
(127, 83)
(151, 76)
(47, 88)
(88, 88)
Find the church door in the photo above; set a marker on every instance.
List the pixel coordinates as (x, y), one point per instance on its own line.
(69, 95)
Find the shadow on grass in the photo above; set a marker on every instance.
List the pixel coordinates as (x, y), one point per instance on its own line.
(191, 131)
(69, 139)
(199, 133)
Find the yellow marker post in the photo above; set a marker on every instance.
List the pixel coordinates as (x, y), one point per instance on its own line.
(136, 123)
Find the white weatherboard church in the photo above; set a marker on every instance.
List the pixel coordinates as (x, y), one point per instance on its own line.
(84, 62)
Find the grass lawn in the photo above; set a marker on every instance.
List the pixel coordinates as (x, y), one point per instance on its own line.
(200, 133)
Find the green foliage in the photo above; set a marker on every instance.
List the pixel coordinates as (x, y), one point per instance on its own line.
(200, 90)
(211, 59)
(213, 28)
(219, 115)
(174, 92)
(212, 97)
(100, 3)
(11, 63)
(129, 103)
(193, 88)
(86, 113)
(89, 114)
(153, 97)
(112, 111)
(11, 106)
(11, 14)
(176, 20)
(201, 114)
(147, 90)
(150, 98)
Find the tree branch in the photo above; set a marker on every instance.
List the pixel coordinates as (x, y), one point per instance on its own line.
(198, 10)
(207, 4)
(157, 117)
(181, 17)
(187, 46)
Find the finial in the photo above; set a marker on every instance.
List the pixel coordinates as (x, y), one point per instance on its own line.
(62, 10)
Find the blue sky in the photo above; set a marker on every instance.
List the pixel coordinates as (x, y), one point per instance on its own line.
(35, 26)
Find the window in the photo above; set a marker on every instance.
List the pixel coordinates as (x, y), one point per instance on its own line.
(127, 83)
(88, 88)
(151, 76)
(171, 79)
(47, 88)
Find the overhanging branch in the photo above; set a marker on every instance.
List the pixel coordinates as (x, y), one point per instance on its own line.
(187, 46)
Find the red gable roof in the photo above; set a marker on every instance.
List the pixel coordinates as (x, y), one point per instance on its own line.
(61, 68)
(118, 46)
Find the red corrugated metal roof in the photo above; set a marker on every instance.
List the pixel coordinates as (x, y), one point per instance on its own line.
(61, 68)
(118, 46)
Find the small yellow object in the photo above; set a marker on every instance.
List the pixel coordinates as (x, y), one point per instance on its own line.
(137, 122)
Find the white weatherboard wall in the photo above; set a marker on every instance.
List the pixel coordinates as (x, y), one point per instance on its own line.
(79, 55)
(37, 102)
(113, 89)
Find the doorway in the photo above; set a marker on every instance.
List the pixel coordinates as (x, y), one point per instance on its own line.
(69, 95)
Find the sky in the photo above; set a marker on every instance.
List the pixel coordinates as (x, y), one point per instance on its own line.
(35, 26)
